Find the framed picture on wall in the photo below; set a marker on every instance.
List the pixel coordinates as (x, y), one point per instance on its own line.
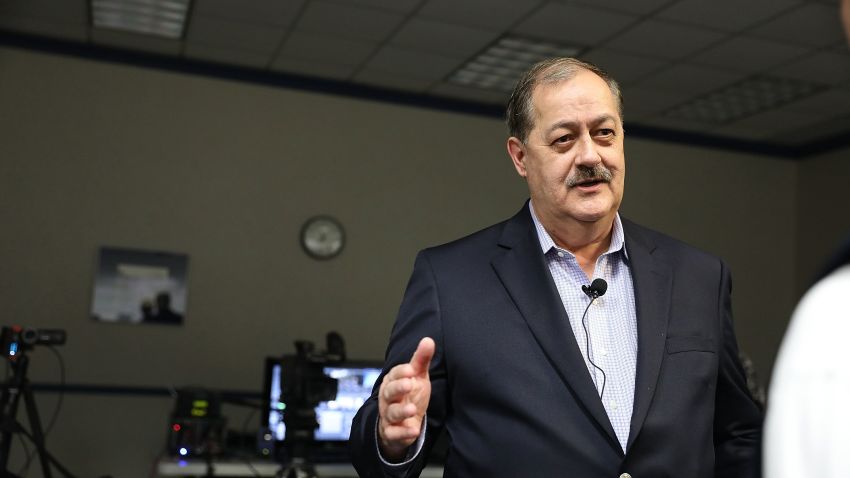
(140, 287)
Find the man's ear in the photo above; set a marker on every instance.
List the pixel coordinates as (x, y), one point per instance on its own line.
(516, 150)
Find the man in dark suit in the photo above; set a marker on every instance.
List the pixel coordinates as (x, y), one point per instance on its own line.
(497, 344)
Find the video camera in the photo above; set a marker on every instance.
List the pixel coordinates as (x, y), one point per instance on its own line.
(303, 386)
(15, 340)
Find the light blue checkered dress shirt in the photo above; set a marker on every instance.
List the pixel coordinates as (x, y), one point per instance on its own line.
(611, 321)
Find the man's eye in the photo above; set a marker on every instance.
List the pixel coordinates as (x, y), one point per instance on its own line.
(606, 132)
(563, 139)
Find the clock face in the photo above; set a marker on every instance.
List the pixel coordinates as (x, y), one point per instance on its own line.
(322, 237)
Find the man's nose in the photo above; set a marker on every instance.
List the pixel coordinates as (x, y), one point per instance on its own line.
(586, 152)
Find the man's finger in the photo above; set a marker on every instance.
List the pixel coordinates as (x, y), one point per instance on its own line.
(399, 412)
(394, 390)
(400, 371)
(421, 360)
(395, 433)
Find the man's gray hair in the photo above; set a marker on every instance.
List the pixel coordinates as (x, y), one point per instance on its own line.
(520, 111)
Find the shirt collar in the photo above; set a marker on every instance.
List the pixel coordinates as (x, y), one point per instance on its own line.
(618, 238)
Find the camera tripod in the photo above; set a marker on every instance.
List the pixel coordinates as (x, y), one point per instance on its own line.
(301, 423)
(19, 386)
(298, 468)
(303, 386)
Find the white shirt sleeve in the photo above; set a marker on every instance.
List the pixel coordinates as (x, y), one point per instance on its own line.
(398, 469)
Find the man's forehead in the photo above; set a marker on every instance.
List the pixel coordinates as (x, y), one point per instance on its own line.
(584, 83)
(574, 94)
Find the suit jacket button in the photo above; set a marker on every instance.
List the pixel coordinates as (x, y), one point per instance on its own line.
(625, 475)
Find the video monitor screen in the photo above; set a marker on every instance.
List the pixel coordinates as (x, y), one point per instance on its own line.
(355, 382)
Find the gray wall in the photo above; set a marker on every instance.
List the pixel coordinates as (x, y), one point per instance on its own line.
(823, 219)
(102, 154)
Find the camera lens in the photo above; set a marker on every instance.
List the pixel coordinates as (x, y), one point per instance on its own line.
(29, 336)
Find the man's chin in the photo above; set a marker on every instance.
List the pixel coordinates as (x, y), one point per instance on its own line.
(592, 218)
(592, 215)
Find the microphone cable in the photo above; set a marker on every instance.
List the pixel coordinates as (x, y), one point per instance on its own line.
(596, 289)
(587, 347)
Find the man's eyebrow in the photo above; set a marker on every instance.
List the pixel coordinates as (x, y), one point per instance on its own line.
(603, 118)
(574, 124)
(562, 124)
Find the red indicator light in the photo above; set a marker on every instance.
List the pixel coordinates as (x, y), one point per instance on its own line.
(176, 427)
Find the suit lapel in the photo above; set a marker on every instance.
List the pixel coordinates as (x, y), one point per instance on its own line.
(524, 273)
(653, 279)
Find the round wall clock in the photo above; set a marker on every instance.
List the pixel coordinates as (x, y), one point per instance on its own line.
(322, 237)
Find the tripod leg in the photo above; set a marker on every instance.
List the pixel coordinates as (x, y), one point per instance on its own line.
(8, 423)
(35, 429)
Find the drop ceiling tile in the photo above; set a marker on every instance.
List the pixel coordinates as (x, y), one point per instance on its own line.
(728, 15)
(386, 79)
(635, 117)
(572, 24)
(466, 93)
(841, 46)
(824, 67)
(487, 14)
(442, 38)
(828, 103)
(746, 54)
(672, 124)
(640, 7)
(626, 68)
(664, 40)
(812, 24)
(226, 55)
(47, 27)
(233, 34)
(814, 132)
(767, 124)
(326, 49)
(640, 102)
(67, 11)
(55, 19)
(689, 79)
(347, 21)
(317, 69)
(418, 65)
(751, 134)
(401, 6)
(135, 41)
(280, 13)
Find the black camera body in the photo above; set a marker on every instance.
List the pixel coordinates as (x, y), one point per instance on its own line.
(15, 340)
(303, 386)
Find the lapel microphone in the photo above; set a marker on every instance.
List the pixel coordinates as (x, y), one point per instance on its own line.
(596, 288)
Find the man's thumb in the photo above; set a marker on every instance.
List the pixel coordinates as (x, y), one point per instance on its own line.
(421, 360)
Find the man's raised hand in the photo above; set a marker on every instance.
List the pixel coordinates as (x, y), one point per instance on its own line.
(403, 400)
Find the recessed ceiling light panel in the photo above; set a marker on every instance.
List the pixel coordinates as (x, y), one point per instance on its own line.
(500, 66)
(165, 18)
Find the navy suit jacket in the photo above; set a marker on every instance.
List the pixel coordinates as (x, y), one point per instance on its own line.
(510, 387)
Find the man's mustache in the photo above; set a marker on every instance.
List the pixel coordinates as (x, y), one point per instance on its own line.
(584, 174)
